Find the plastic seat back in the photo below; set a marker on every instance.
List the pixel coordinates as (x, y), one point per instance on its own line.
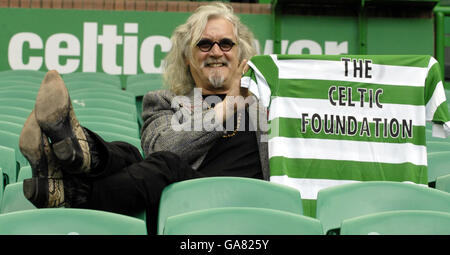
(443, 183)
(25, 172)
(65, 221)
(107, 120)
(10, 127)
(242, 221)
(140, 84)
(435, 146)
(214, 192)
(14, 199)
(12, 119)
(8, 164)
(95, 111)
(408, 222)
(11, 140)
(108, 79)
(15, 111)
(20, 74)
(19, 86)
(113, 128)
(23, 103)
(15, 93)
(338, 203)
(438, 164)
(119, 96)
(107, 104)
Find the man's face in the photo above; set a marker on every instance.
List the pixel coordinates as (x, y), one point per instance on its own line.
(212, 69)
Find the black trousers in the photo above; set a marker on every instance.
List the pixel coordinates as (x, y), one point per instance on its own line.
(126, 183)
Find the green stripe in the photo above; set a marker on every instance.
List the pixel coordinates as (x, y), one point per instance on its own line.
(433, 78)
(397, 60)
(268, 69)
(292, 128)
(441, 115)
(320, 89)
(347, 170)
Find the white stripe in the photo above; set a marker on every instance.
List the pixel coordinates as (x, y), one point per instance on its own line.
(289, 107)
(311, 148)
(309, 188)
(335, 70)
(261, 88)
(436, 99)
(431, 63)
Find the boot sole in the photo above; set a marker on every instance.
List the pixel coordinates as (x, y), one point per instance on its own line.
(52, 107)
(55, 116)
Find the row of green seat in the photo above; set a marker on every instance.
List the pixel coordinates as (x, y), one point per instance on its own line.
(334, 205)
(139, 83)
(261, 221)
(232, 205)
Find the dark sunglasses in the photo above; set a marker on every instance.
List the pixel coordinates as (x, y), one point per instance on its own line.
(206, 45)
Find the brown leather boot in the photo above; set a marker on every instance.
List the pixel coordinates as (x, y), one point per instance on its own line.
(46, 188)
(56, 117)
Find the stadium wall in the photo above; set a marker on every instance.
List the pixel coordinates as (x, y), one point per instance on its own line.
(128, 37)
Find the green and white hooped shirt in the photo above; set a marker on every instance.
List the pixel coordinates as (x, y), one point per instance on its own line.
(340, 119)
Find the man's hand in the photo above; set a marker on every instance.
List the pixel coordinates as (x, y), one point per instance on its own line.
(223, 109)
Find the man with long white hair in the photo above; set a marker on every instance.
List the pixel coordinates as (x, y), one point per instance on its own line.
(204, 124)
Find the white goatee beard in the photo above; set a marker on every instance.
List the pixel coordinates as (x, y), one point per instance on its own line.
(216, 80)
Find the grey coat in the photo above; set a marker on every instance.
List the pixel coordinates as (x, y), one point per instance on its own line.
(170, 119)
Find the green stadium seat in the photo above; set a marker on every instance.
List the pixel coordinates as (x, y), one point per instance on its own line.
(242, 221)
(95, 111)
(429, 137)
(33, 81)
(111, 80)
(111, 137)
(443, 183)
(408, 222)
(338, 203)
(18, 86)
(154, 82)
(26, 104)
(13, 119)
(435, 146)
(106, 119)
(113, 128)
(8, 164)
(215, 192)
(139, 85)
(11, 140)
(22, 73)
(438, 164)
(67, 221)
(141, 88)
(120, 96)
(73, 86)
(14, 199)
(25, 172)
(2, 182)
(105, 103)
(21, 76)
(10, 127)
(15, 111)
(15, 93)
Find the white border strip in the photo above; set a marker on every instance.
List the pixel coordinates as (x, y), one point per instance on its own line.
(335, 70)
(308, 148)
(289, 107)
